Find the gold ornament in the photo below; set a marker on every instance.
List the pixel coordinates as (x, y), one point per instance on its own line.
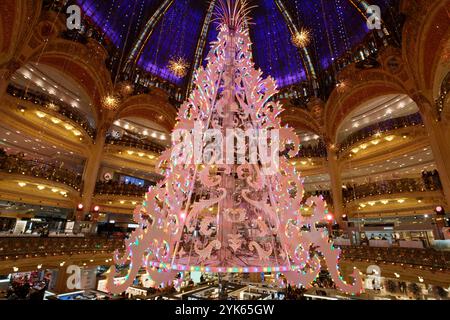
(179, 67)
(301, 39)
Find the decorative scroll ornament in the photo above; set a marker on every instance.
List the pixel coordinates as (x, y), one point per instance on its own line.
(235, 241)
(205, 226)
(263, 255)
(229, 217)
(235, 215)
(205, 253)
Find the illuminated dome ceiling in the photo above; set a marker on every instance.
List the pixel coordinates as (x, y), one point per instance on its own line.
(336, 26)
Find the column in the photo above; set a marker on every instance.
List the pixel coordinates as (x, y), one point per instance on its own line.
(90, 175)
(6, 72)
(439, 136)
(334, 171)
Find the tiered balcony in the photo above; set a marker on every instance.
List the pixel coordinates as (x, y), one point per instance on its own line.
(53, 106)
(140, 144)
(404, 257)
(16, 248)
(380, 128)
(389, 187)
(13, 164)
(119, 189)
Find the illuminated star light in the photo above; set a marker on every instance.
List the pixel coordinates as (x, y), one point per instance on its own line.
(110, 102)
(301, 39)
(179, 67)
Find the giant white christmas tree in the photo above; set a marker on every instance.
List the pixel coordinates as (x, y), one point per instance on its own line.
(230, 216)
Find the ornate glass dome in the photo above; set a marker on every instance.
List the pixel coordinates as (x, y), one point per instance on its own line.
(151, 33)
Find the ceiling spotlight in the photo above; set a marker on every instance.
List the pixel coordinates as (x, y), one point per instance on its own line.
(301, 39)
(375, 142)
(68, 126)
(22, 184)
(41, 187)
(56, 121)
(40, 114)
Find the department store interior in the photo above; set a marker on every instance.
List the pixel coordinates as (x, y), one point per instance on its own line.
(87, 113)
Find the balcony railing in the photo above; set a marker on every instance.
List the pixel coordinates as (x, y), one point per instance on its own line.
(382, 127)
(352, 193)
(141, 144)
(53, 105)
(428, 258)
(34, 168)
(14, 248)
(119, 189)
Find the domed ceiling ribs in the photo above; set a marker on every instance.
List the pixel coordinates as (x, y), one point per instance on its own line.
(201, 44)
(304, 53)
(362, 6)
(145, 35)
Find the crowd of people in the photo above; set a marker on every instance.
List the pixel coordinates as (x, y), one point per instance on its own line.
(26, 288)
(318, 150)
(431, 180)
(20, 164)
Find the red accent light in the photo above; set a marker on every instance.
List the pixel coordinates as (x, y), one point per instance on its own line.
(96, 208)
(438, 209)
(80, 207)
(329, 217)
(182, 215)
